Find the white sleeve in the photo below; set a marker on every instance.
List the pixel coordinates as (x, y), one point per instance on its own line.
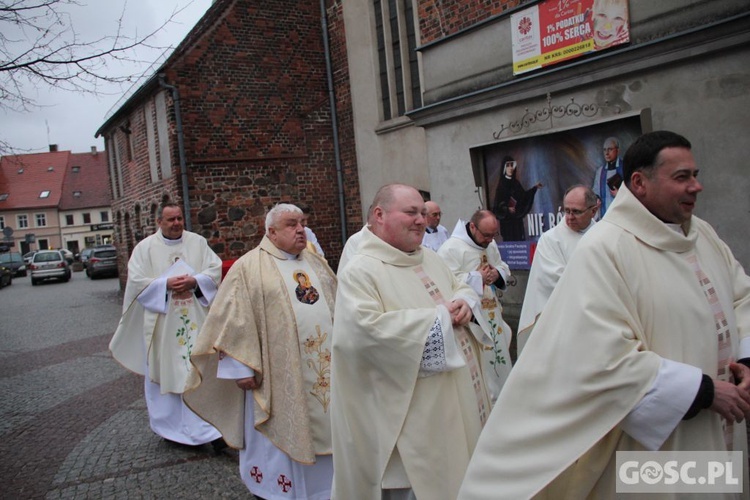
(232, 369)
(154, 296)
(475, 281)
(441, 351)
(656, 415)
(208, 289)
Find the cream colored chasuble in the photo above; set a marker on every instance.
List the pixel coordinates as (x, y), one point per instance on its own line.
(308, 302)
(175, 335)
(463, 257)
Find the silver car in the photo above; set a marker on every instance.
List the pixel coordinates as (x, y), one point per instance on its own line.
(48, 264)
(102, 262)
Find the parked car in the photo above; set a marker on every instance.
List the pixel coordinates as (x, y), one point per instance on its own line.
(68, 255)
(102, 262)
(28, 256)
(85, 254)
(13, 261)
(6, 277)
(47, 264)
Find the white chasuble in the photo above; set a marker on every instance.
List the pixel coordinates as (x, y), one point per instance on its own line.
(496, 358)
(314, 325)
(175, 335)
(628, 302)
(465, 258)
(387, 418)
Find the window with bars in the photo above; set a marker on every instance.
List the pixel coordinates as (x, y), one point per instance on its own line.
(398, 62)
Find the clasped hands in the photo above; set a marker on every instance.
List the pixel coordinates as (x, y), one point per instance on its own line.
(179, 284)
(489, 274)
(733, 401)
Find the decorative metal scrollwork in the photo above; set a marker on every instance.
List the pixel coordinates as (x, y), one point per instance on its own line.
(550, 112)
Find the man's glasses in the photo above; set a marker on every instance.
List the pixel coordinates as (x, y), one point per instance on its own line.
(577, 213)
(487, 235)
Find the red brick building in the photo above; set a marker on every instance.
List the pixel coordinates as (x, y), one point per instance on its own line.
(237, 119)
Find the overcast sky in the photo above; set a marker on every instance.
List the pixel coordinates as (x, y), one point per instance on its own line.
(70, 119)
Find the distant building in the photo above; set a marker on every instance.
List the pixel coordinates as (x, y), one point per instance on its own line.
(85, 212)
(41, 192)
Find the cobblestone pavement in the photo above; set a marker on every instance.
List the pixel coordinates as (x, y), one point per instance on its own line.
(73, 422)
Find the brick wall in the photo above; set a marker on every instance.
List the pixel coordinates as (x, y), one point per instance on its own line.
(257, 128)
(440, 18)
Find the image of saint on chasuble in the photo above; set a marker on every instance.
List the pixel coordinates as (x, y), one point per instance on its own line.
(496, 359)
(266, 470)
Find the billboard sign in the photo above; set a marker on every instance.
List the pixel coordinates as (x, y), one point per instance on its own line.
(554, 31)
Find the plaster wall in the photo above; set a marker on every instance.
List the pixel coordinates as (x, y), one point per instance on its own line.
(387, 152)
(704, 99)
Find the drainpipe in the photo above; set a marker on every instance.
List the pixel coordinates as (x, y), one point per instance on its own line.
(334, 120)
(181, 150)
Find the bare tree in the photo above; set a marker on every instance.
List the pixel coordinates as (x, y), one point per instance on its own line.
(40, 46)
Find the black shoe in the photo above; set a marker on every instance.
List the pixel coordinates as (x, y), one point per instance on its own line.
(219, 445)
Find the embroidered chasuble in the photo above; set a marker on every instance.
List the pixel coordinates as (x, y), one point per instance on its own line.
(269, 315)
(465, 258)
(629, 302)
(159, 328)
(313, 320)
(169, 355)
(398, 415)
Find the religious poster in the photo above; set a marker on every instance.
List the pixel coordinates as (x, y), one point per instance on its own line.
(558, 30)
(524, 180)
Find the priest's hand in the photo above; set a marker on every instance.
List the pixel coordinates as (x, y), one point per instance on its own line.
(460, 312)
(179, 284)
(730, 401)
(489, 274)
(741, 375)
(248, 384)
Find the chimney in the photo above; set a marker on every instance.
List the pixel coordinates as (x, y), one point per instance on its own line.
(53, 148)
(93, 150)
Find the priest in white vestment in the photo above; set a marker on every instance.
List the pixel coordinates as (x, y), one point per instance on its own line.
(312, 239)
(173, 276)
(473, 256)
(435, 234)
(408, 396)
(553, 253)
(262, 371)
(635, 350)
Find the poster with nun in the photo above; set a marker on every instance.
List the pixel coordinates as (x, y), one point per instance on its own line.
(525, 179)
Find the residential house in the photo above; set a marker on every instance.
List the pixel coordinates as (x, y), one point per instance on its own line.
(85, 212)
(56, 199)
